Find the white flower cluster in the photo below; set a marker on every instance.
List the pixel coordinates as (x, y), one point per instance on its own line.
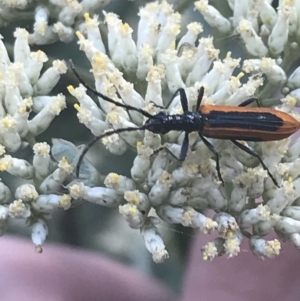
(54, 20)
(249, 205)
(26, 110)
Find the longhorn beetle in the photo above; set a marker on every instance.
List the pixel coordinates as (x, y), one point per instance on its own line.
(211, 121)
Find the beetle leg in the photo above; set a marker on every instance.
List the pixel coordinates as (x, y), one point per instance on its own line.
(249, 101)
(186, 45)
(252, 152)
(183, 99)
(183, 151)
(184, 147)
(213, 150)
(199, 99)
(155, 105)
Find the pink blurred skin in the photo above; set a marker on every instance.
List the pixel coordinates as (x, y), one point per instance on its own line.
(243, 278)
(62, 274)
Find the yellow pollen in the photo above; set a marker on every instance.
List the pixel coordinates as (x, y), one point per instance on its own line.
(70, 88)
(240, 75)
(87, 17)
(125, 28)
(77, 107)
(133, 210)
(64, 160)
(3, 167)
(173, 45)
(229, 234)
(114, 177)
(228, 55)
(79, 35)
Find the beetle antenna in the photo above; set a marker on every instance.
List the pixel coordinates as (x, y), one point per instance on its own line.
(185, 46)
(92, 142)
(127, 107)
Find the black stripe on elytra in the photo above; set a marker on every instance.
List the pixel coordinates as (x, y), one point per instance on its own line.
(236, 137)
(246, 120)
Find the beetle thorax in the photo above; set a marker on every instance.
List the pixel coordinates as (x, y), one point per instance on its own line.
(162, 123)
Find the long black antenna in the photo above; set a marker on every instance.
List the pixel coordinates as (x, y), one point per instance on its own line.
(127, 107)
(91, 143)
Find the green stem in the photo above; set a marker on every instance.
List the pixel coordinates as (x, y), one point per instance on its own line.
(266, 91)
(31, 140)
(290, 56)
(270, 102)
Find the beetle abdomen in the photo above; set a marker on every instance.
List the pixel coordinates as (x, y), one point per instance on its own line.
(249, 124)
